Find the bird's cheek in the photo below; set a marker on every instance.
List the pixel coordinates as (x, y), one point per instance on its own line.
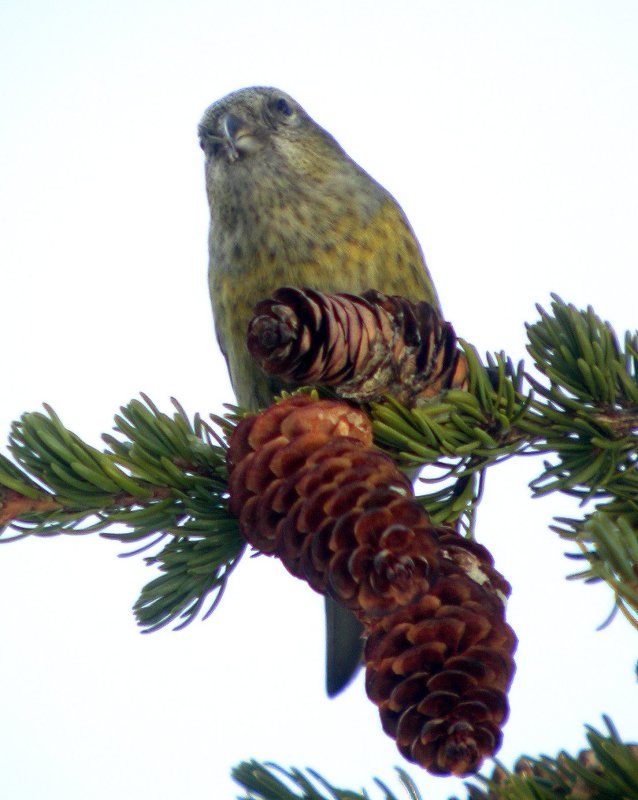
(247, 144)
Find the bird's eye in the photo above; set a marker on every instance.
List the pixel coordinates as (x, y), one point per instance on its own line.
(282, 107)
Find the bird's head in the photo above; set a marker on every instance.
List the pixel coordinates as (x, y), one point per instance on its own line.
(261, 136)
(246, 121)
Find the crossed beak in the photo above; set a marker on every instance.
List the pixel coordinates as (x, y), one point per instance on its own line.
(233, 128)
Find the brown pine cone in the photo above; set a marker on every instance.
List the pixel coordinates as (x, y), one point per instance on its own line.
(365, 346)
(439, 669)
(307, 487)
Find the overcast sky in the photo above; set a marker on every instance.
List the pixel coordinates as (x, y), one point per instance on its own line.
(508, 132)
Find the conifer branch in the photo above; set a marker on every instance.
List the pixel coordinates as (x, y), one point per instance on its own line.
(607, 769)
(272, 782)
(164, 479)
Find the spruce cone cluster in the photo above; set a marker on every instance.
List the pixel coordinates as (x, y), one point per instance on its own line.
(365, 346)
(307, 487)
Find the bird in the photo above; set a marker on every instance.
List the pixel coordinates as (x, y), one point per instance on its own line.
(289, 207)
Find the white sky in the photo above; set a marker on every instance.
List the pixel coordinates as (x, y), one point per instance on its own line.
(508, 132)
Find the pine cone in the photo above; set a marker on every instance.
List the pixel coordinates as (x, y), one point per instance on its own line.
(308, 488)
(365, 346)
(439, 669)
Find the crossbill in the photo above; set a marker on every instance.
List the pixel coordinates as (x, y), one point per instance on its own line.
(289, 207)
